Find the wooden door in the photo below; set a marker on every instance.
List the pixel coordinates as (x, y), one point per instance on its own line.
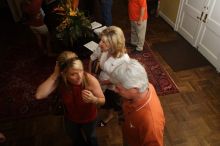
(192, 12)
(209, 38)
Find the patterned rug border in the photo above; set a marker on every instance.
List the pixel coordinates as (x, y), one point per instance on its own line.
(158, 76)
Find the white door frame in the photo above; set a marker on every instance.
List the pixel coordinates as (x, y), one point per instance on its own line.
(178, 15)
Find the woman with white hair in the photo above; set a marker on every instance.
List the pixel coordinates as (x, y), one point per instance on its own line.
(143, 114)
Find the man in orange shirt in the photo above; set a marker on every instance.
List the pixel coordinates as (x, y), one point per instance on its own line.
(137, 10)
(144, 119)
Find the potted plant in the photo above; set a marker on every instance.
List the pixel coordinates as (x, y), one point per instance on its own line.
(74, 24)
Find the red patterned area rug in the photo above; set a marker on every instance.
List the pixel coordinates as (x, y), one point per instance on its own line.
(21, 72)
(22, 69)
(161, 80)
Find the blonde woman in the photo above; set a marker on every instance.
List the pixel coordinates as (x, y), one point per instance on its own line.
(80, 93)
(112, 54)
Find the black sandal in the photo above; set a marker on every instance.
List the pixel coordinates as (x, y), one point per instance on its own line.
(101, 123)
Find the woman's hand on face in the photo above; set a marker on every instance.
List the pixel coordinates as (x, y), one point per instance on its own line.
(88, 97)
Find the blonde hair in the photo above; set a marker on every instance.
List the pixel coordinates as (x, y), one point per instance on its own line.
(67, 60)
(115, 38)
(64, 57)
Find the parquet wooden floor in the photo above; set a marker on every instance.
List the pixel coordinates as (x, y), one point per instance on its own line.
(192, 116)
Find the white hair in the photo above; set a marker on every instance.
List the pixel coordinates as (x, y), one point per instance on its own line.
(131, 74)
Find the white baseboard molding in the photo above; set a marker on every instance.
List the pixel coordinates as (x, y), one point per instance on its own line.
(171, 23)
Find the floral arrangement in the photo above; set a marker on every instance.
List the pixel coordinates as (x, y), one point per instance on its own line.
(74, 24)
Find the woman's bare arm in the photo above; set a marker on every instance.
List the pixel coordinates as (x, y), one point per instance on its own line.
(49, 85)
(95, 88)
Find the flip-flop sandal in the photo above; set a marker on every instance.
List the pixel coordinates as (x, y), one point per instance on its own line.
(101, 123)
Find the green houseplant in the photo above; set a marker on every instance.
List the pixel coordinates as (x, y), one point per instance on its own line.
(74, 24)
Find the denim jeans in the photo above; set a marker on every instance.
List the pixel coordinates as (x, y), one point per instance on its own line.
(82, 134)
(106, 10)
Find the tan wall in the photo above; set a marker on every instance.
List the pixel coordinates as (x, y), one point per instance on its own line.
(170, 8)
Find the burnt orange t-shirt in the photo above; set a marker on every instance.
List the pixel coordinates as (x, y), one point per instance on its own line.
(144, 121)
(134, 9)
